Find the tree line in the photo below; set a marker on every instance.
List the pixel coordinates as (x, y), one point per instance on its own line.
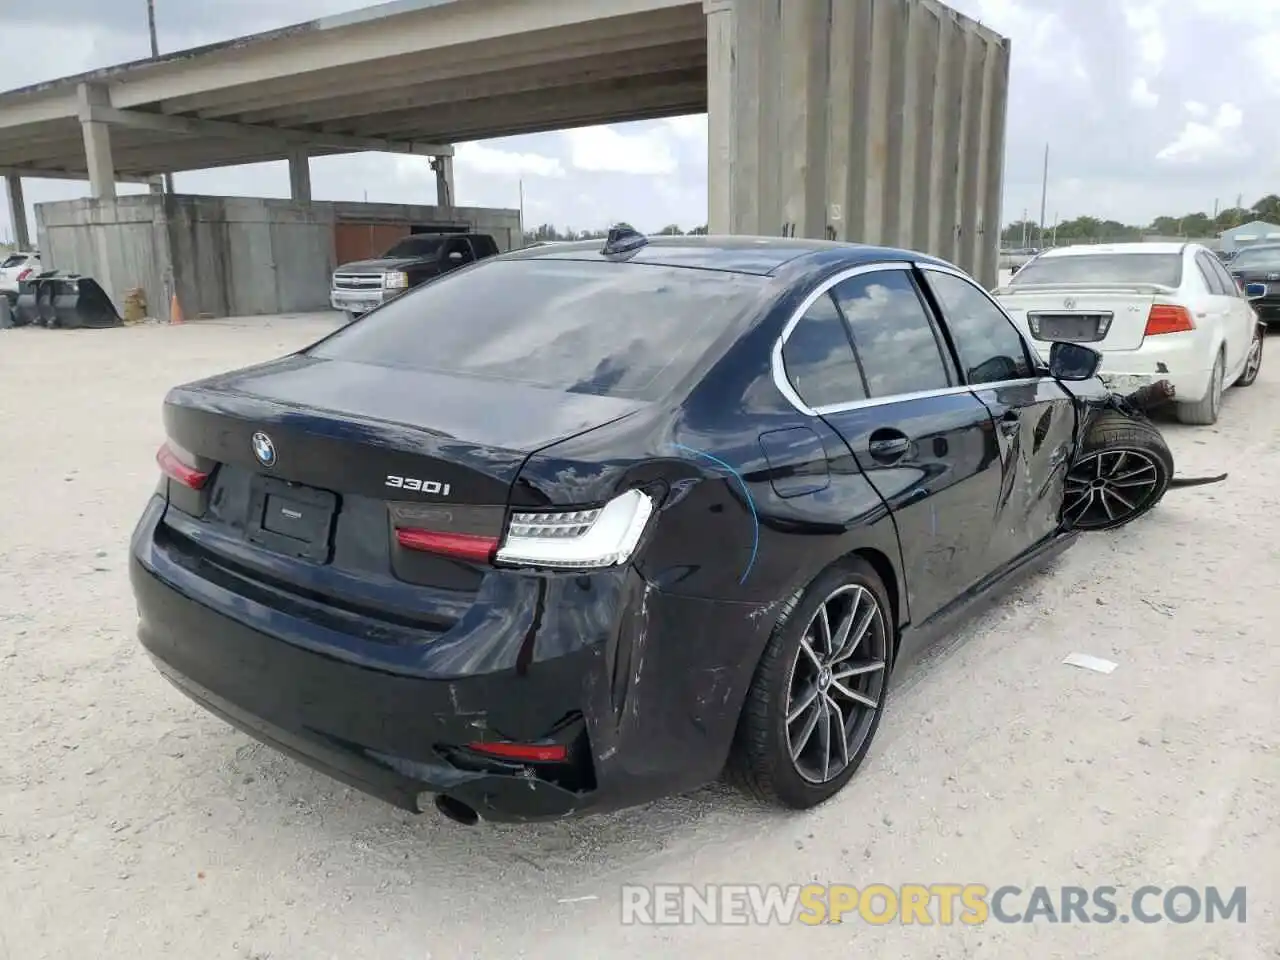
(1027, 234)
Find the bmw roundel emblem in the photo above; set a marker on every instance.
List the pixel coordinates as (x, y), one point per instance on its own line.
(264, 449)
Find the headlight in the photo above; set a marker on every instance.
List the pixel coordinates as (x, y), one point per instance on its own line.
(395, 280)
(578, 539)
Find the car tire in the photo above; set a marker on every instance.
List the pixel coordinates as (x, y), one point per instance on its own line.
(1122, 471)
(351, 316)
(771, 759)
(1253, 365)
(1204, 412)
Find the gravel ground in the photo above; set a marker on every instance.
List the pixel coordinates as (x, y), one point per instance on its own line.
(132, 824)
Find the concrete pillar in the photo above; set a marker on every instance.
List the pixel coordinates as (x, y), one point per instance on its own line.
(156, 184)
(720, 77)
(18, 212)
(443, 166)
(874, 121)
(97, 143)
(300, 175)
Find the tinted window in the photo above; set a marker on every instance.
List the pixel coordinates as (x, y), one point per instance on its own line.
(989, 345)
(461, 248)
(1257, 258)
(1229, 285)
(613, 329)
(892, 333)
(819, 358)
(1162, 268)
(415, 247)
(1207, 274)
(14, 260)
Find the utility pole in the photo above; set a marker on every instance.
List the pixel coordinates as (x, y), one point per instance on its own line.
(1054, 241)
(155, 52)
(522, 210)
(1044, 193)
(1024, 228)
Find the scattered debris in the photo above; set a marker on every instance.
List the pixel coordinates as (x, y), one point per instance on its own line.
(1085, 661)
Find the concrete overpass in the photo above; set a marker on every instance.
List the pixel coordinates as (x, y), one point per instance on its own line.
(857, 119)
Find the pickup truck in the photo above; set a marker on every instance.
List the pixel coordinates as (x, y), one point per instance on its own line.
(358, 287)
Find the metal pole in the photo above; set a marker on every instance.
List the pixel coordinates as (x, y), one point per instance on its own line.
(522, 210)
(155, 52)
(1044, 192)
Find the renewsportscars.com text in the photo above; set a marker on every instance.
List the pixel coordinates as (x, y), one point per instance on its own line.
(943, 904)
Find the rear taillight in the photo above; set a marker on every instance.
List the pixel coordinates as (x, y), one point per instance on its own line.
(180, 465)
(549, 539)
(460, 546)
(1168, 318)
(24, 274)
(529, 752)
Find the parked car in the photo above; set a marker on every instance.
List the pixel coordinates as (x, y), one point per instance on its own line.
(1260, 264)
(363, 285)
(1156, 311)
(580, 525)
(14, 269)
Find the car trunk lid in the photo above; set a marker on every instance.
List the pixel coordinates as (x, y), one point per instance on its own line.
(1107, 317)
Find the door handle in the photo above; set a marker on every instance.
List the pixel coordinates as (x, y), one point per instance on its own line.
(1010, 424)
(888, 446)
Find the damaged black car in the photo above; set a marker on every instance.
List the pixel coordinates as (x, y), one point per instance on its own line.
(584, 525)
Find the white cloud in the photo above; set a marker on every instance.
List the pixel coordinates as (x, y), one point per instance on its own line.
(692, 128)
(605, 150)
(1217, 141)
(1141, 95)
(1147, 22)
(483, 159)
(1196, 109)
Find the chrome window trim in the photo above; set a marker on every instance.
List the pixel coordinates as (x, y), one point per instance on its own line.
(780, 379)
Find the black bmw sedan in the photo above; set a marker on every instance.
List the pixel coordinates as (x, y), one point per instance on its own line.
(581, 526)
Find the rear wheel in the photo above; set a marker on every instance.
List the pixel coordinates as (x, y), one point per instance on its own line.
(1253, 365)
(1123, 470)
(1204, 412)
(818, 694)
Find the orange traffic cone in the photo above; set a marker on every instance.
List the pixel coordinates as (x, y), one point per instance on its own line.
(175, 310)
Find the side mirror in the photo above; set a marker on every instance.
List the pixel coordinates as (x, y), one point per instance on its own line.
(1255, 291)
(455, 257)
(1073, 361)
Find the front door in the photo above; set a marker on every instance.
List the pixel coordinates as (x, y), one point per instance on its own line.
(1032, 415)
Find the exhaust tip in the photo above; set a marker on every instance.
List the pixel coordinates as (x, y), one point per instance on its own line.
(456, 810)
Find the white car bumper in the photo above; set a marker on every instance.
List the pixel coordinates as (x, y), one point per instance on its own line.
(357, 301)
(1184, 359)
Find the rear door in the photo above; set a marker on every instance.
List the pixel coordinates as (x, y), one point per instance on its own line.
(922, 439)
(1033, 415)
(1241, 318)
(1216, 305)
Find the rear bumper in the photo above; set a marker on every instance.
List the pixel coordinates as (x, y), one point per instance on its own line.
(1184, 359)
(633, 734)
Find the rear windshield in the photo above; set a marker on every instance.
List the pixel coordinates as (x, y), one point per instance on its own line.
(1261, 258)
(1162, 268)
(415, 247)
(610, 329)
(14, 260)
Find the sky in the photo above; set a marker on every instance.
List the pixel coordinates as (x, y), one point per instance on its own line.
(1149, 107)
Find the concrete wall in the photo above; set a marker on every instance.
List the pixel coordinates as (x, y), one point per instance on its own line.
(226, 256)
(880, 121)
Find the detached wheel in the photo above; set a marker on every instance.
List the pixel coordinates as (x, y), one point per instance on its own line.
(1253, 365)
(818, 694)
(1123, 470)
(1204, 412)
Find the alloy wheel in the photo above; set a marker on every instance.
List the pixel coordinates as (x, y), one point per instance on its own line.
(1254, 362)
(1110, 486)
(837, 683)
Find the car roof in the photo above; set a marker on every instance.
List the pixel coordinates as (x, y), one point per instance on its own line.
(1085, 249)
(759, 256)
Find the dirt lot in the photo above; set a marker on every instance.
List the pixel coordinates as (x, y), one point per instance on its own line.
(134, 825)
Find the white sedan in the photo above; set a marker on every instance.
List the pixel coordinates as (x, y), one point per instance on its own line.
(1156, 311)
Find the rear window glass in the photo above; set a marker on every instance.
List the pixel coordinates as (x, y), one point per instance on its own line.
(13, 261)
(1162, 268)
(611, 329)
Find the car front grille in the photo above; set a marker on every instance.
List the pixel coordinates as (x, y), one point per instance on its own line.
(357, 281)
